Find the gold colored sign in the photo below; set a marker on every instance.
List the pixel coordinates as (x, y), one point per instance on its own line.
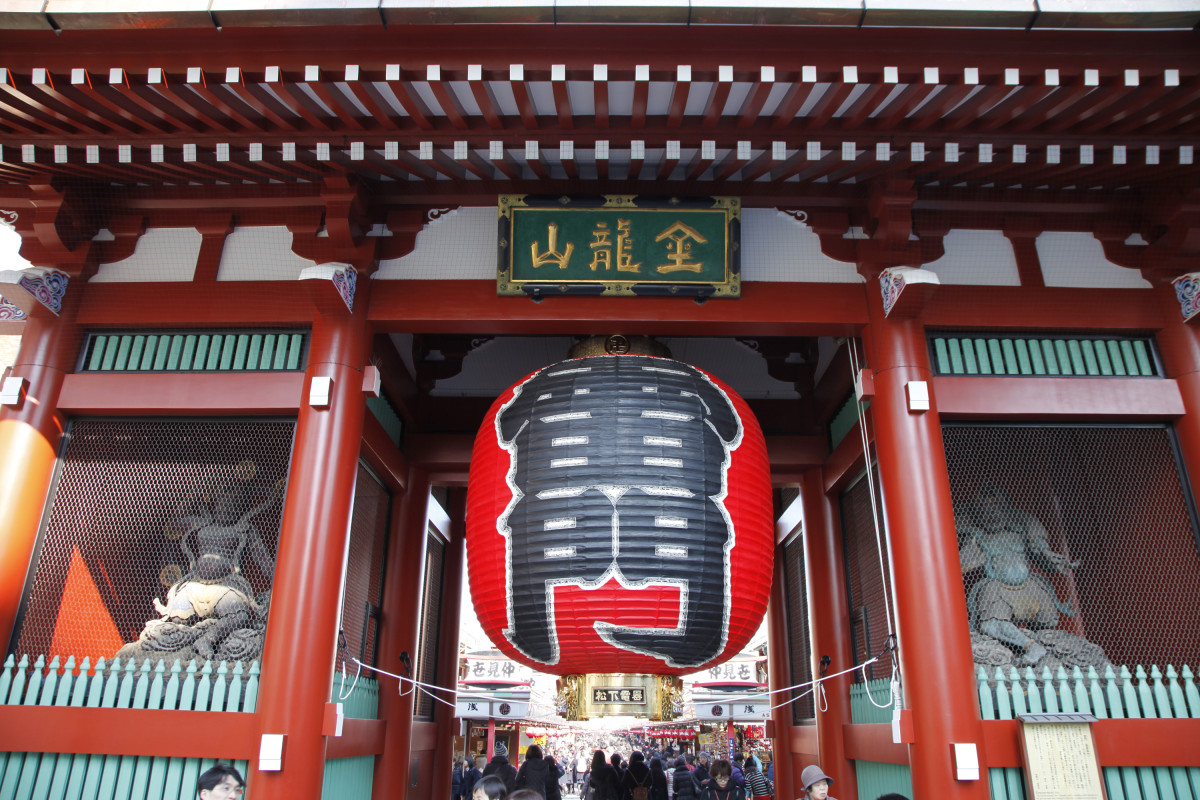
(619, 245)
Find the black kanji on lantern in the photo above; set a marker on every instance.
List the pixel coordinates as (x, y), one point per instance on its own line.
(619, 471)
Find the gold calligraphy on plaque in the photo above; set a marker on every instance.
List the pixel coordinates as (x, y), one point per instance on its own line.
(679, 249)
(552, 256)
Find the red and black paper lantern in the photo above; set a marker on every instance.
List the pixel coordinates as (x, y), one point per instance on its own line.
(619, 519)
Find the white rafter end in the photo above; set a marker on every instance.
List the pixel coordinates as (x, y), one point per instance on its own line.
(766, 74)
(891, 75)
(849, 74)
(233, 74)
(916, 151)
(288, 151)
(433, 72)
(778, 151)
(849, 151)
(812, 151)
(808, 74)
(1091, 77)
(708, 149)
(495, 150)
(931, 76)
(461, 151)
(725, 74)
(351, 72)
(425, 150)
(599, 72)
(971, 76)
(952, 152)
(1132, 78)
(516, 72)
(1052, 78)
(673, 148)
(312, 73)
(1087, 154)
(637, 149)
(357, 151)
(1053, 153)
(641, 72)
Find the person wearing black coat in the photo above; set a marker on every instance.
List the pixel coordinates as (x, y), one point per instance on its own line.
(638, 774)
(682, 783)
(554, 774)
(471, 776)
(500, 767)
(535, 772)
(456, 781)
(603, 782)
(658, 780)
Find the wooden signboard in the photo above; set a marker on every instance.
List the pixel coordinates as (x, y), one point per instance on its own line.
(1060, 757)
(619, 245)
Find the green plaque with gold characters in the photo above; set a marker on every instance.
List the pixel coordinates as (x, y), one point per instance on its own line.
(619, 245)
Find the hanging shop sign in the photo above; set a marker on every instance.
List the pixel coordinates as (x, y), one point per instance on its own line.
(743, 711)
(619, 519)
(499, 709)
(619, 245)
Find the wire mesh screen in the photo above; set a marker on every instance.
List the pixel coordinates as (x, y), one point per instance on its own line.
(431, 621)
(1077, 543)
(364, 566)
(799, 640)
(161, 534)
(866, 578)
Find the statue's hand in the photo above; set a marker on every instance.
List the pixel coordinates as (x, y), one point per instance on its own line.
(1058, 562)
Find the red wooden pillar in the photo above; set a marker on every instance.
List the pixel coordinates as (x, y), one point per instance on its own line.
(1179, 345)
(930, 606)
(447, 669)
(400, 622)
(779, 675)
(829, 621)
(29, 440)
(301, 637)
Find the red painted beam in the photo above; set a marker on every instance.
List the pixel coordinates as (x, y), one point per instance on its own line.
(175, 305)
(873, 742)
(1047, 309)
(175, 393)
(765, 309)
(1119, 743)
(360, 737)
(1059, 398)
(128, 731)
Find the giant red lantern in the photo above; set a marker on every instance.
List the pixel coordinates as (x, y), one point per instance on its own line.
(619, 518)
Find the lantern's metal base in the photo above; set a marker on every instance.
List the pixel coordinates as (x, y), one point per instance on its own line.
(657, 697)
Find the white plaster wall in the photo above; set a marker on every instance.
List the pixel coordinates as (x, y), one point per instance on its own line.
(777, 247)
(1077, 259)
(460, 247)
(161, 254)
(260, 253)
(977, 258)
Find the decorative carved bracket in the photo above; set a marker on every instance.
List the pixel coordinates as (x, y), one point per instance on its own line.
(331, 286)
(27, 288)
(1187, 292)
(56, 234)
(888, 236)
(1173, 233)
(906, 290)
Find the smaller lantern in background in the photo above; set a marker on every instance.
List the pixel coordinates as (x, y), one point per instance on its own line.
(619, 518)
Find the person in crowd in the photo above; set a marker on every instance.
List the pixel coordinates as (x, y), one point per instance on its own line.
(456, 780)
(615, 760)
(471, 776)
(756, 783)
(490, 787)
(554, 779)
(735, 768)
(524, 794)
(816, 783)
(721, 785)
(604, 783)
(683, 784)
(658, 780)
(220, 782)
(535, 772)
(637, 774)
(701, 771)
(500, 767)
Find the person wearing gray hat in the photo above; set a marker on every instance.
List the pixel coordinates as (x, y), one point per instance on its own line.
(500, 767)
(816, 783)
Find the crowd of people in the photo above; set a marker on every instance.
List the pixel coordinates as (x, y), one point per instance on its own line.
(650, 775)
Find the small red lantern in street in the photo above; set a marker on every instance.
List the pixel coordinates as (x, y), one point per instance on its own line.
(619, 519)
